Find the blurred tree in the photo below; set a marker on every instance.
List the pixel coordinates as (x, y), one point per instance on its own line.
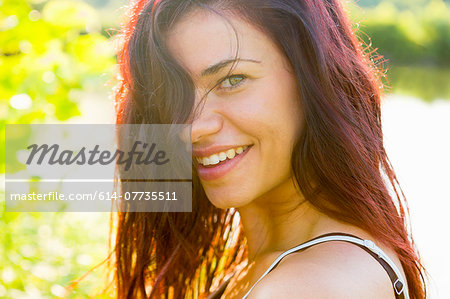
(414, 38)
(48, 51)
(413, 33)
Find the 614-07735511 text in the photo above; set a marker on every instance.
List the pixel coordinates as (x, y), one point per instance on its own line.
(141, 195)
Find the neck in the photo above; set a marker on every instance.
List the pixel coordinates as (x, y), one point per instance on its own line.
(279, 220)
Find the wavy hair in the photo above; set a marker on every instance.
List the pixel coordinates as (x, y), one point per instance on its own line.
(339, 161)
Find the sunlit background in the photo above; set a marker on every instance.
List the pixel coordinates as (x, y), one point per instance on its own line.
(56, 65)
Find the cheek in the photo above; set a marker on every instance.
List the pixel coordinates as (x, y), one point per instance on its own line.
(269, 108)
(270, 116)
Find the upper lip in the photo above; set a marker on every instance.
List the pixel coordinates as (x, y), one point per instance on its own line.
(214, 149)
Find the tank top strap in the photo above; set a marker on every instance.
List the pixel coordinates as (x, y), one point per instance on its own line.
(398, 283)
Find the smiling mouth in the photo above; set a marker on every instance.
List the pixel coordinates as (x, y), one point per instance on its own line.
(212, 172)
(222, 157)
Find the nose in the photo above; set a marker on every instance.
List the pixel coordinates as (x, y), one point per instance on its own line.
(206, 122)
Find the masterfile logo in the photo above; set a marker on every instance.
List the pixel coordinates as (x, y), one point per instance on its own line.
(72, 167)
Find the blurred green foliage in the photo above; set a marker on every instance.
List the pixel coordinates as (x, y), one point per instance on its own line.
(414, 38)
(426, 83)
(50, 52)
(417, 33)
(43, 252)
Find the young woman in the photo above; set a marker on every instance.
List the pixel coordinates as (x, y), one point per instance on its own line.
(287, 148)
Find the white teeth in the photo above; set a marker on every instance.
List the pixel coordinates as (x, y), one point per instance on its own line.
(222, 156)
(213, 159)
(230, 153)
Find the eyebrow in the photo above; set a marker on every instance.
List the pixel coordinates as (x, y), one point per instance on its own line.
(213, 69)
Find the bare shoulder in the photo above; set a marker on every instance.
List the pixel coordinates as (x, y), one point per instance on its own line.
(329, 270)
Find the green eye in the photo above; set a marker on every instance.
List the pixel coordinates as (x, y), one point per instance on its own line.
(232, 81)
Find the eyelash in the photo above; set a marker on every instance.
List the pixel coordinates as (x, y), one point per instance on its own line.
(232, 86)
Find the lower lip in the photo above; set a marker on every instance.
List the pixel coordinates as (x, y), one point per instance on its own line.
(216, 172)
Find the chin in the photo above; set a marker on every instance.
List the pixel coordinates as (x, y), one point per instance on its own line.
(227, 202)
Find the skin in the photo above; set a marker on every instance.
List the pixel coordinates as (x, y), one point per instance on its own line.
(264, 110)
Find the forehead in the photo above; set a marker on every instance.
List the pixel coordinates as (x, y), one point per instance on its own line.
(202, 38)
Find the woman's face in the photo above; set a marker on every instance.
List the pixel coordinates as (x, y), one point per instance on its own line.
(257, 106)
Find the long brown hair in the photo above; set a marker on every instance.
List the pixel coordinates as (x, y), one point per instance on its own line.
(339, 161)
